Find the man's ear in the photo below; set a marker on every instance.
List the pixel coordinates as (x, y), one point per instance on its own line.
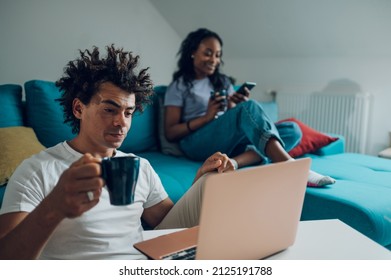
(77, 107)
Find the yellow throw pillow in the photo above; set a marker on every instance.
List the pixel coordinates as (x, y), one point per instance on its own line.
(16, 143)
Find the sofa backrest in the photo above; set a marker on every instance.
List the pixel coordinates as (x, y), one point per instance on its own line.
(270, 108)
(11, 106)
(44, 114)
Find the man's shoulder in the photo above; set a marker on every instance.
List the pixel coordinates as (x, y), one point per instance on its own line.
(44, 162)
(58, 153)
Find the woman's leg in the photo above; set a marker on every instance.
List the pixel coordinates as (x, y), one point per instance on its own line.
(274, 151)
(247, 123)
(247, 158)
(290, 134)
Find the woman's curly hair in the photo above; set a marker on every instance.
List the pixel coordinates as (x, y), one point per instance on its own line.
(185, 63)
(83, 77)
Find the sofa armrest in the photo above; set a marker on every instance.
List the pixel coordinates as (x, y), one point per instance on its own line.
(336, 147)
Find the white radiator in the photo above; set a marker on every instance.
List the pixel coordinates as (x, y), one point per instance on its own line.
(347, 115)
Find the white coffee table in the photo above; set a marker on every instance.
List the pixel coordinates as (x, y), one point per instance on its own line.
(323, 240)
(332, 240)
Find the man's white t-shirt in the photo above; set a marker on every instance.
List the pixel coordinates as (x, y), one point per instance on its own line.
(103, 232)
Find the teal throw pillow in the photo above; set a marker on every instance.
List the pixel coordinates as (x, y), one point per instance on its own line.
(271, 109)
(143, 132)
(166, 147)
(11, 109)
(44, 113)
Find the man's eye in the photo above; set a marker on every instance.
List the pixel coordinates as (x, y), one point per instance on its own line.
(128, 114)
(108, 110)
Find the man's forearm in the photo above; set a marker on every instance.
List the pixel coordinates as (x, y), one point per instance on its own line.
(29, 237)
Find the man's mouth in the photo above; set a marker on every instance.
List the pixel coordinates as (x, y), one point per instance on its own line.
(117, 135)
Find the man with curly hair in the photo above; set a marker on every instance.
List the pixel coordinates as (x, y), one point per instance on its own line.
(55, 206)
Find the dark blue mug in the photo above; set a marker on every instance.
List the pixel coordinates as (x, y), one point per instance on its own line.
(120, 175)
(223, 102)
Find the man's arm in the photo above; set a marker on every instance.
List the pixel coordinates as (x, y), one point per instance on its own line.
(217, 162)
(155, 214)
(23, 235)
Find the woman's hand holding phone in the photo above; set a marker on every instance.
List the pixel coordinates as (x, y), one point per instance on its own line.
(245, 88)
(242, 94)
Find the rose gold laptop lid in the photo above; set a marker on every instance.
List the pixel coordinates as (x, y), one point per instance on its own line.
(251, 213)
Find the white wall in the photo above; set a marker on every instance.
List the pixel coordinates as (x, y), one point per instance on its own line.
(301, 46)
(39, 37)
(310, 48)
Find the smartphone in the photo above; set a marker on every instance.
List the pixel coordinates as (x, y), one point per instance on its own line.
(248, 85)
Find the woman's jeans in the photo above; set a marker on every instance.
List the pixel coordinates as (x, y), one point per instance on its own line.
(244, 127)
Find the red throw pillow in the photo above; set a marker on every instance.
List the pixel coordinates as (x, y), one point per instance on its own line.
(311, 141)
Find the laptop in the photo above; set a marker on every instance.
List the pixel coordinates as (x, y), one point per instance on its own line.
(251, 213)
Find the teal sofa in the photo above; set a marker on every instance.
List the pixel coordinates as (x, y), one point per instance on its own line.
(361, 197)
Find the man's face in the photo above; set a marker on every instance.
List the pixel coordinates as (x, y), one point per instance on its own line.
(106, 120)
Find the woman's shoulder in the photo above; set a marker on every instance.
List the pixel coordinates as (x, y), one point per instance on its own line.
(178, 82)
(226, 80)
(176, 86)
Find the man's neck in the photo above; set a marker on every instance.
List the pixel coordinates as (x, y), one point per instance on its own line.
(77, 145)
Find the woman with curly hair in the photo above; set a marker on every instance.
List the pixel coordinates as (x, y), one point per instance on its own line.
(244, 132)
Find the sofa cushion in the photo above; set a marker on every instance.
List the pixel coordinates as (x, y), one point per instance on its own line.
(17, 143)
(45, 114)
(176, 173)
(11, 109)
(166, 147)
(361, 196)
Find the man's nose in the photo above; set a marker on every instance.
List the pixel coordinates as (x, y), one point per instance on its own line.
(120, 120)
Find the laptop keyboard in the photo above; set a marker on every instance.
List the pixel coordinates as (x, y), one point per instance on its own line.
(187, 254)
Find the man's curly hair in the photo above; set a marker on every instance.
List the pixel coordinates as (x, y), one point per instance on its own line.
(82, 79)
